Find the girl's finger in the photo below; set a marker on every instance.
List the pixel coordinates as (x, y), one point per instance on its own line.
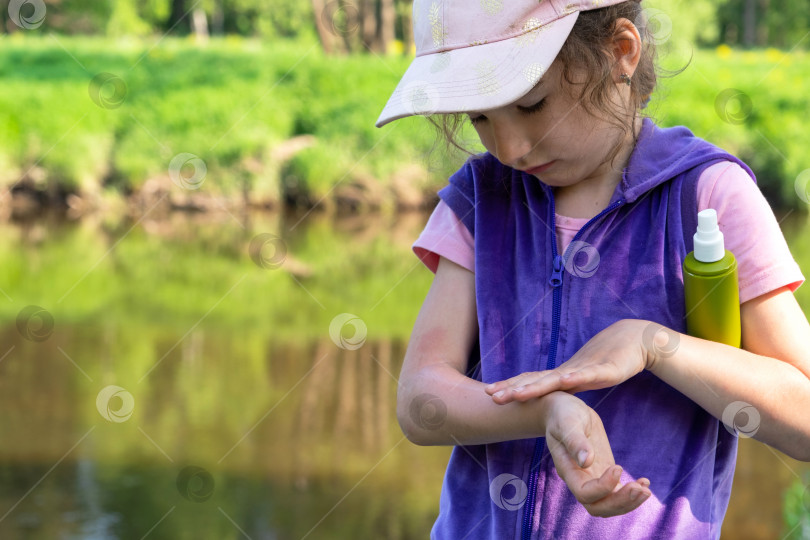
(509, 394)
(503, 396)
(497, 386)
(598, 488)
(537, 389)
(625, 500)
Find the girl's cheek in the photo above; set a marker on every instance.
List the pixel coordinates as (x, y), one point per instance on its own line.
(485, 140)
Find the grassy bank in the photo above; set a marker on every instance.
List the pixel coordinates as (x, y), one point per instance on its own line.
(233, 102)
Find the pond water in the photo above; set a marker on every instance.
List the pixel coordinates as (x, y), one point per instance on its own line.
(177, 378)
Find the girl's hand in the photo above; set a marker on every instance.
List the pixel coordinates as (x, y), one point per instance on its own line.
(612, 356)
(593, 477)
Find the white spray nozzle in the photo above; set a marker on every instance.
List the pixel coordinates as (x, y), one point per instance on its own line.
(708, 240)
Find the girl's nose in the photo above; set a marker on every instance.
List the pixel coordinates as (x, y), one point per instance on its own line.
(511, 144)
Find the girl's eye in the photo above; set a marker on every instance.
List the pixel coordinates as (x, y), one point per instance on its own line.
(534, 108)
(528, 110)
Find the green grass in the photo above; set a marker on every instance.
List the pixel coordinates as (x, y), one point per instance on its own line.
(229, 103)
(233, 100)
(796, 509)
(771, 133)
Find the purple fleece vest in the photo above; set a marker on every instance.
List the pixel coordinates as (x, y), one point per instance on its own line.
(536, 308)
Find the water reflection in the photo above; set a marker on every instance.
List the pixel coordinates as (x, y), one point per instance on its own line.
(298, 442)
(290, 435)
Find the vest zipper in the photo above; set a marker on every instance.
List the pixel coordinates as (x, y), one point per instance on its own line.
(555, 281)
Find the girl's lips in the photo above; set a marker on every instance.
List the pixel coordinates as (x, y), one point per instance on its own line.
(541, 168)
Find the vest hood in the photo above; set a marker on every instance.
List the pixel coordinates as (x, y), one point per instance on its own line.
(661, 154)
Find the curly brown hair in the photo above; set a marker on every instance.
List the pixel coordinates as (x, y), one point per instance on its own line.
(588, 49)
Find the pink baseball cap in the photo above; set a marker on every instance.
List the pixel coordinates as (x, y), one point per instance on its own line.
(474, 55)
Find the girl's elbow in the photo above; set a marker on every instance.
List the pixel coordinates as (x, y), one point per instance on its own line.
(403, 419)
(411, 430)
(410, 419)
(411, 433)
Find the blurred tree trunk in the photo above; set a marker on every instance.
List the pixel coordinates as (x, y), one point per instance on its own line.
(218, 19)
(405, 10)
(368, 403)
(358, 24)
(368, 24)
(199, 25)
(325, 32)
(763, 29)
(177, 21)
(388, 16)
(383, 392)
(749, 23)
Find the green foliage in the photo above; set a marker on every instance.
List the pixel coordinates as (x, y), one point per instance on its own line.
(263, 18)
(270, 18)
(778, 23)
(233, 101)
(761, 120)
(125, 20)
(308, 177)
(228, 103)
(796, 509)
(683, 22)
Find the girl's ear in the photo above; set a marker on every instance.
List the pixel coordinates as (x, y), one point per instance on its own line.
(626, 48)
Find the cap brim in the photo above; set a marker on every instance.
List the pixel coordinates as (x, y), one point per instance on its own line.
(479, 77)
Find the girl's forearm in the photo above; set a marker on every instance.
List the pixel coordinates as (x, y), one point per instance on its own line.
(440, 406)
(715, 376)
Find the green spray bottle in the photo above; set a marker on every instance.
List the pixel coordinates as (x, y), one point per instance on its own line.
(710, 285)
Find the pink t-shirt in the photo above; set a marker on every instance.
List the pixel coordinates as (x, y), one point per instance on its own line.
(764, 261)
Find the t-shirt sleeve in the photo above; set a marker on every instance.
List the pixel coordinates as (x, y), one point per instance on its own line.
(446, 236)
(750, 230)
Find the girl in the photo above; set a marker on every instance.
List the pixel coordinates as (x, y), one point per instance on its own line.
(554, 327)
